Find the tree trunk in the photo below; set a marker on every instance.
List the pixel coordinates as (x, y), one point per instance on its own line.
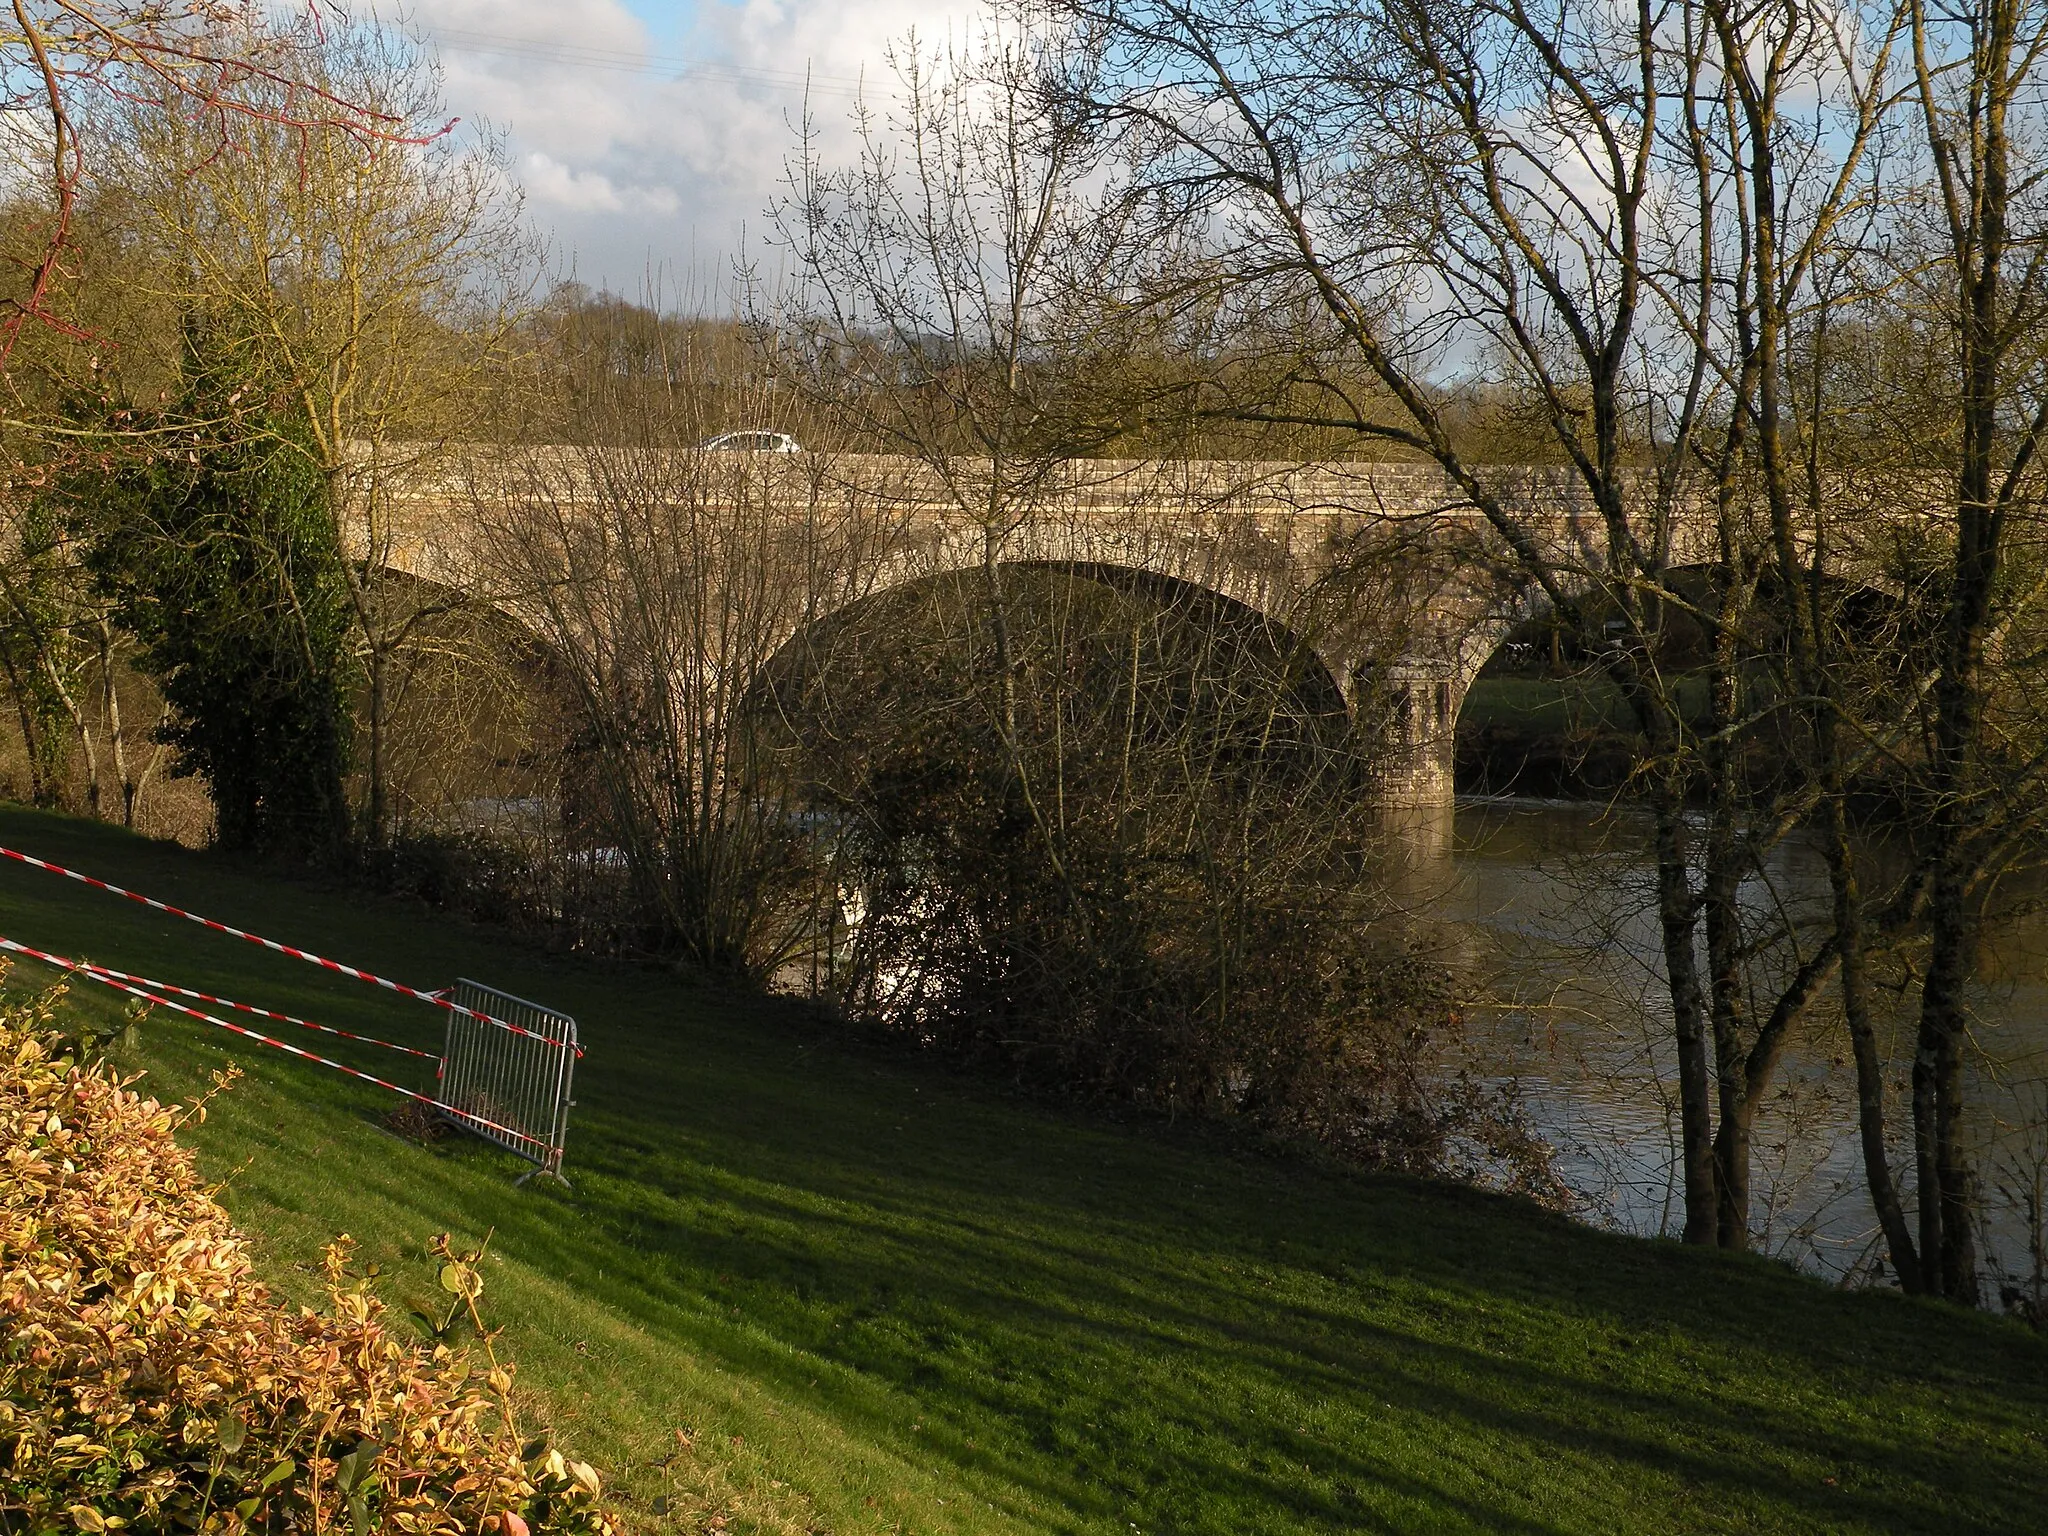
(1947, 1244)
(377, 813)
(110, 703)
(1847, 895)
(1695, 1090)
(31, 743)
(1722, 909)
(80, 726)
(1725, 1004)
(1947, 1230)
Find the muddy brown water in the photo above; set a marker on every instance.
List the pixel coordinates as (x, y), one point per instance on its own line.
(1546, 907)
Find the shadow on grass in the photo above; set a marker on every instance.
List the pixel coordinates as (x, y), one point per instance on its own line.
(1095, 1326)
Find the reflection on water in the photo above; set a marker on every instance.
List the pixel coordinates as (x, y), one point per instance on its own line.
(1549, 911)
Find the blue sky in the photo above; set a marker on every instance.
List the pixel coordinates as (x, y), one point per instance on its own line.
(666, 23)
(649, 137)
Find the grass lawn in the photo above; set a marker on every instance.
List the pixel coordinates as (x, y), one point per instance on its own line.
(1540, 705)
(875, 1297)
(1585, 704)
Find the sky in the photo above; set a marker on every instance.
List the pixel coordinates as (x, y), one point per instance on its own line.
(649, 137)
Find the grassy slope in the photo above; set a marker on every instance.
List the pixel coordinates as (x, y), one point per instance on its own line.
(1584, 704)
(880, 1298)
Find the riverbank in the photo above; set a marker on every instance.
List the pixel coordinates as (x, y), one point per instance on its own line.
(873, 1296)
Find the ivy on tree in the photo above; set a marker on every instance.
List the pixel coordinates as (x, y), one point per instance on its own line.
(220, 555)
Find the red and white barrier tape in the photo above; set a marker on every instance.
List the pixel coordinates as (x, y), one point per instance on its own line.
(229, 1002)
(436, 998)
(106, 979)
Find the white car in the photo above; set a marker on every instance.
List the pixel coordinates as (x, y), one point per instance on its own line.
(752, 442)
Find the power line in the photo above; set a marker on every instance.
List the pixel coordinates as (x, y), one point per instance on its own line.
(621, 62)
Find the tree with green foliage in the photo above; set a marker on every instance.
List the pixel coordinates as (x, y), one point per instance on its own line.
(222, 560)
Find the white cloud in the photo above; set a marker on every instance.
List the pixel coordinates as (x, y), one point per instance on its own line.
(551, 184)
(631, 169)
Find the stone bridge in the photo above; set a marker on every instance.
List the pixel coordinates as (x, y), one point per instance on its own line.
(1391, 579)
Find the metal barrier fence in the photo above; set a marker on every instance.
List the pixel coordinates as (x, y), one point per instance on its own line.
(507, 1076)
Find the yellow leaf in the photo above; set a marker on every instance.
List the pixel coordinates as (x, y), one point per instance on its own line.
(461, 1280)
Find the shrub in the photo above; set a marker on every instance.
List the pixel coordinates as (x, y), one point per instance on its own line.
(147, 1382)
(469, 873)
(1121, 844)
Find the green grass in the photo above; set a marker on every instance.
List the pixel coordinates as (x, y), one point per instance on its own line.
(1544, 705)
(879, 1297)
(1579, 705)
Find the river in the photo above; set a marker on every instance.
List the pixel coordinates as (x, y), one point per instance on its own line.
(1546, 909)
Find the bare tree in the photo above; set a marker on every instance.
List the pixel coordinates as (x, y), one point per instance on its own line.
(1562, 201)
(234, 75)
(1102, 823)
(958, 297)
(232, 69)
(663, 580)
(65, 666)
(1979, 93)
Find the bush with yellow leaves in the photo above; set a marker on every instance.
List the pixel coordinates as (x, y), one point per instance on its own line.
(148, 1383)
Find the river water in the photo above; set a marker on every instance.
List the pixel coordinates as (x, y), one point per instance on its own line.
(1546, 908)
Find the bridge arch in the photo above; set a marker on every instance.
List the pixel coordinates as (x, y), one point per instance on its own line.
(478, 706)
(1317, 707)
(1880, 610)
(1397, 647)
(1320, 683)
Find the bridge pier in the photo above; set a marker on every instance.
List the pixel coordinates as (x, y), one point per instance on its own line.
(1422, 704)
(1420, 780)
